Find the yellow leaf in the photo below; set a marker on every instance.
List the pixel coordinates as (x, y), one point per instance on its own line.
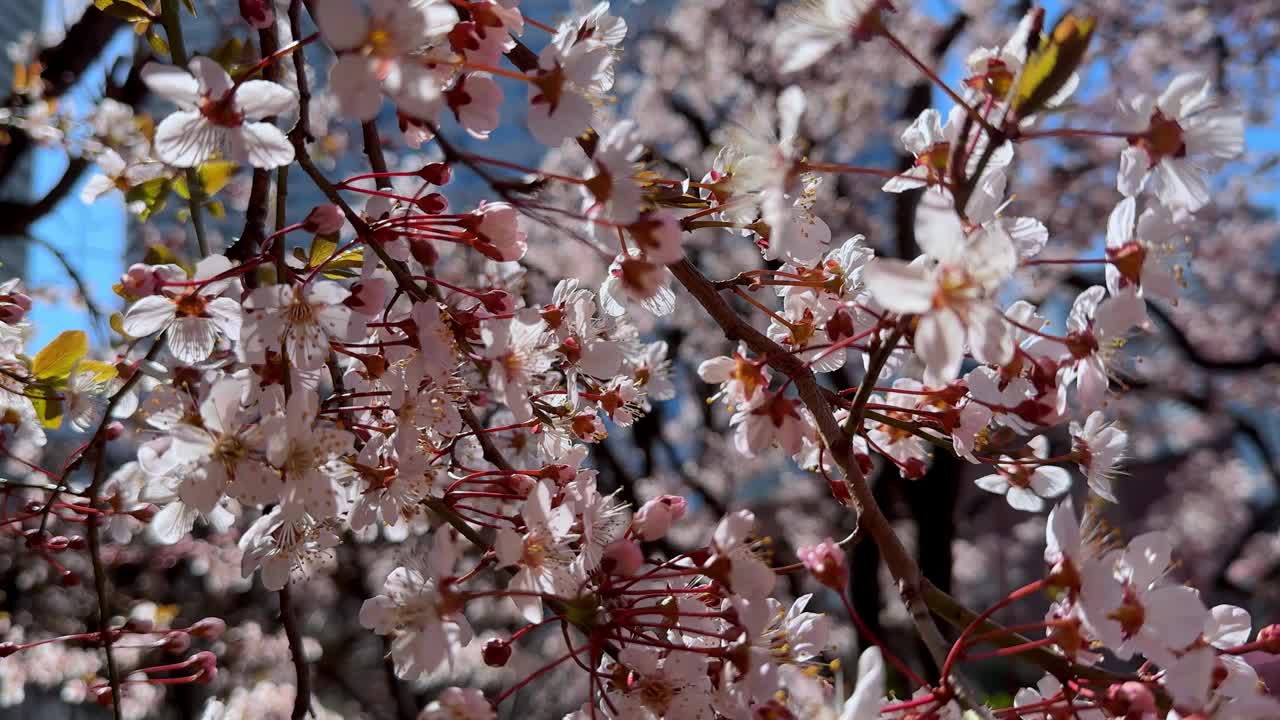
(322, 253)
(213, 176)
(48, 405)
(1050, 66)
(100, 371)
(56, 361)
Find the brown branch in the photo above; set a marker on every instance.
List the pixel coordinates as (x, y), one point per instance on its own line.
(289, 619)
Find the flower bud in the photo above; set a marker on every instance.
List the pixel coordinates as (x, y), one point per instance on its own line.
(77, 542)
(207, 667)
(654, 518)
(69, 579)
(498, 302)
(210, 628)
(433, 203)
(1269, 639)
(622, 557)
(140, 280)
(324, 220)
(115, 430)
(177, 642)
(14, 307)
(7, 648)
(1130, 700)
(57, 543)
(424, 251)
(496, 652)
(497, 229)
(103, 695)
(436, 173)
(260, 14)
(826, 561)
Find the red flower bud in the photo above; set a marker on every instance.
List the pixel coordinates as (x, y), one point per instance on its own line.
(496, 652)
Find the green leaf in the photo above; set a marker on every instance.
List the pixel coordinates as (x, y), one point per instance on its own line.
(1050, 66)
(153, 194)
(56, 361)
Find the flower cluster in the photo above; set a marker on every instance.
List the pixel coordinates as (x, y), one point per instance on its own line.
(389, 371)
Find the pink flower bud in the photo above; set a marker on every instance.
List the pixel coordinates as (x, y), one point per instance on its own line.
(622, 557)
(14, 307)
(498, 232)
(115, 429)
(498, 302)
(177, 642)
(140, 280)
(324, 219)
(7, 648)
(1131, 700)
(206, 667)
(654, 518)
(826, 561)
(1269, 639)
(210, 628)
(260, 14)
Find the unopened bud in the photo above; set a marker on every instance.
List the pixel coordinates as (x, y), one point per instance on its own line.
(1130, 700)
(7, 648)
(424, 251)
(115, 429)
(260, 14)
(57, 543)
(654, 518)
(103, 695)
(826, 561)
(140, 280)
(177, 642)
(69, 579)
(433, 203)
(496, 652)
(436, 173)
(324, 220)
(622, 557)
(1269, 639)
(77, 542)
(210, 628)
(207, 664)
(498, 302)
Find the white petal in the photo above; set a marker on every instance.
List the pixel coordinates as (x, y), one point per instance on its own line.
(149, 315)
(172, 83)
(185, 139)
(191, 339)
(342, 22)
(352, 81)
(264, 145)
(898, 286)
(213, 79)
(259, 98)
